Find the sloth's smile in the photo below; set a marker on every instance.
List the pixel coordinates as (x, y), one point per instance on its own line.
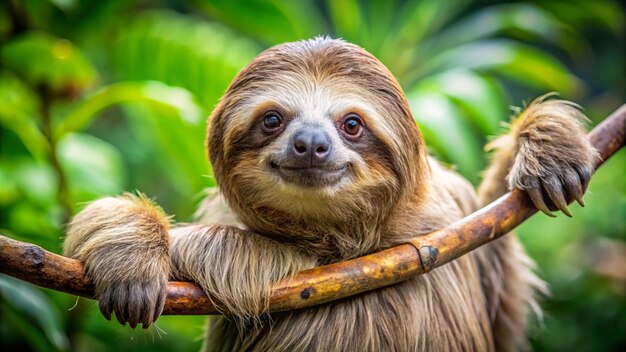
(311, 176)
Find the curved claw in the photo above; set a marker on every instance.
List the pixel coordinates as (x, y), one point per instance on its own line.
(555, 191)
(120, 319)
(134, 303)
(581, 201)
(142, 300)
(537, 198)
(585, 176)
(574, 187)
(105, 305)
(158, 308)
(120, 304)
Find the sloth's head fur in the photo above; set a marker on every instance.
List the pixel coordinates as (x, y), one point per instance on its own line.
(314, 143)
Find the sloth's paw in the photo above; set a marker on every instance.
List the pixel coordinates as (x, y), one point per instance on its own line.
(137, 302)
(554, 159)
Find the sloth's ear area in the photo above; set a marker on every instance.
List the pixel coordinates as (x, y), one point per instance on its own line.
(215, 129)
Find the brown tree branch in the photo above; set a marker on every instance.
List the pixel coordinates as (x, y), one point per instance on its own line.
(327, 283)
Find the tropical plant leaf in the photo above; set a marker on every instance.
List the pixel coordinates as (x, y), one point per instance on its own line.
(424, 17)
(19, 329)
(180, 148)
(379, 16)
(480, 99)
(447, 132)
(36, 181)
(415, 22)
(19, 113)
(8, 187)
(5, 23)
(199, 56)
(176, 101)
(347, 19)
(93, 167)
(521, 20)
(275, 21)
(581, 13)
(31, 302)
(524, 64)
(45, 60)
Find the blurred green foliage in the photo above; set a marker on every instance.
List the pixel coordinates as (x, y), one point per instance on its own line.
(98, 97)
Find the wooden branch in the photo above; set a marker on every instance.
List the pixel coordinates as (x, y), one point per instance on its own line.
(323, 284)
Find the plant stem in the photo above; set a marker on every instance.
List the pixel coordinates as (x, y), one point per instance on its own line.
(47, 97)
(63, 194)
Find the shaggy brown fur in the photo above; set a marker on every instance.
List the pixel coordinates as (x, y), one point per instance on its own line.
(389, 191)
(111, 234)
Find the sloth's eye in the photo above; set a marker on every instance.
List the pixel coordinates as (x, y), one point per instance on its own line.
(353, 126)
(272, 122)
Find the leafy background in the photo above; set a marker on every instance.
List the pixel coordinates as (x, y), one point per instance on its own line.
(98, 97)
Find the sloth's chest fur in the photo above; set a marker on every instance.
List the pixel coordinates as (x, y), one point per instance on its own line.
(443, 310)
(455, 307)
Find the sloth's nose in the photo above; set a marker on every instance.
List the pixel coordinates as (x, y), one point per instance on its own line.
(311, 144)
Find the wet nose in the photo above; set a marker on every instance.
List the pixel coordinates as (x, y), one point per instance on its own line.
(311, 144)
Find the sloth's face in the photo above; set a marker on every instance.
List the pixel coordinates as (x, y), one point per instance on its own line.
(313, 152)
(309, 141)
(313, 126)
(312, 139)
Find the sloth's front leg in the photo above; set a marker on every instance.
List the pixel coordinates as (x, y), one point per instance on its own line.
(235, 266)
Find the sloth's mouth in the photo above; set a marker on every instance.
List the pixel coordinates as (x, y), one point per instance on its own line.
(311, 176)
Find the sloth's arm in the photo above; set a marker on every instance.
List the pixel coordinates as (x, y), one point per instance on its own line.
(129, 253)
(546, 153)
(123, 243)
(233, 265)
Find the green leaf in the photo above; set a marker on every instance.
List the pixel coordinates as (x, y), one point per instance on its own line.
(93, 167)
(520, 20)
(33, 223)
(19, 111)
(45, 60)
(36, 181)
(18, 329)
(5, 23)
(8, 187)
(276, 21)
(180, 147)
(416, 21)
(425, 17)
(585, 14)
(522, 63)
(33, 303)
(178, 101)
(379, 16)
(447, 132)
(36, 214)
(347, 18)
(481, 99)
(65, 5)
(199, 56)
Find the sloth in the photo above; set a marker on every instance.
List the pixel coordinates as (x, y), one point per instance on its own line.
(318, 159)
